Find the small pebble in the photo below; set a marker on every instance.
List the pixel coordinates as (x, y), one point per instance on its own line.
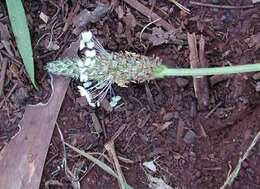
(181, 82)
(198, 174)
(227, 17)
(256, 76)
(189, 137)
(257, 88)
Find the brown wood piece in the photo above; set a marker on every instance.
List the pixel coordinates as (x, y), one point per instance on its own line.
(2, 74)
(197, 60)
(22, 160)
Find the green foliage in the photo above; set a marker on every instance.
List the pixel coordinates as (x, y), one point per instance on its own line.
(22, 36)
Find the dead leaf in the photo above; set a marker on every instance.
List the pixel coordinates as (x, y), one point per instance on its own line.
(254, 41)
(150, 165)
(4, 32)
(157, 183)
(130, 23)
(159, 37)
(86, 16)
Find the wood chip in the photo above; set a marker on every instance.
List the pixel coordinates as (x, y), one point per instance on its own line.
(180, 130)
(96, 123)
(2, 74)
(197, 60)
(44, 17)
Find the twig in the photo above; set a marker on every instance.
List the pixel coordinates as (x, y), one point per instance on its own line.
(2, 75)
(197, 60)
(8, 95)
(118, 132)
(69, 174)
(231, 177)
(213, 110)
(145, 11)
(186, 10)
(221, 6)
(141, 33)
(110, 147)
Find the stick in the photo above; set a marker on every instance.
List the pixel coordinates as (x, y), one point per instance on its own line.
(221, 6)
(146, 12)
(2, 75)
(197, 60)
(110, 147)
(113, 138)
(231, 177)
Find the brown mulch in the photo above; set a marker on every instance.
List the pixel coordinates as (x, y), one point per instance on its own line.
(195, 144)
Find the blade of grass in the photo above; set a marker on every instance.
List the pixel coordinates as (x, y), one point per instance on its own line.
(22, 36)
(98, 163)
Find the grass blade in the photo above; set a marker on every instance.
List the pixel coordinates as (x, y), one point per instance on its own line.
(98, 163)
(22, 36)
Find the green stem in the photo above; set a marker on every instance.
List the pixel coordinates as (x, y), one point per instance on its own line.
(163, 71)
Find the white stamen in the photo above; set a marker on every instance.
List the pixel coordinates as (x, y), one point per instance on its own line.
(87, 84)
(81, 45)
(86, 36)
(90, 45)
(83, 78)
(88, 97)
(90, 53)
(92, 104)
(82, 91)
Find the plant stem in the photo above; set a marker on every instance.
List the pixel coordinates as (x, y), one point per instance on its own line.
(164, 71)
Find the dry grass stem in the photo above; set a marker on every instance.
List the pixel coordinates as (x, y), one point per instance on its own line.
(110, 147)
(231, 177)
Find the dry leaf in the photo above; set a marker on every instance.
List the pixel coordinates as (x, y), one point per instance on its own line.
(150, 165)
(157, 183)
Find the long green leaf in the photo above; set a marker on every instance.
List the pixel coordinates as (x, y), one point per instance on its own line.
(22, 36)
(98, 163)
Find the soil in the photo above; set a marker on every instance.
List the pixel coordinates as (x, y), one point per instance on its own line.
(193, 146)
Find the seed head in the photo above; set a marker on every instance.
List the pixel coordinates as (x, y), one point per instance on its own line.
(103, 69)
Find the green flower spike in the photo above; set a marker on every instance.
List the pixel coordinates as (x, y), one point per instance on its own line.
(98, 70)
